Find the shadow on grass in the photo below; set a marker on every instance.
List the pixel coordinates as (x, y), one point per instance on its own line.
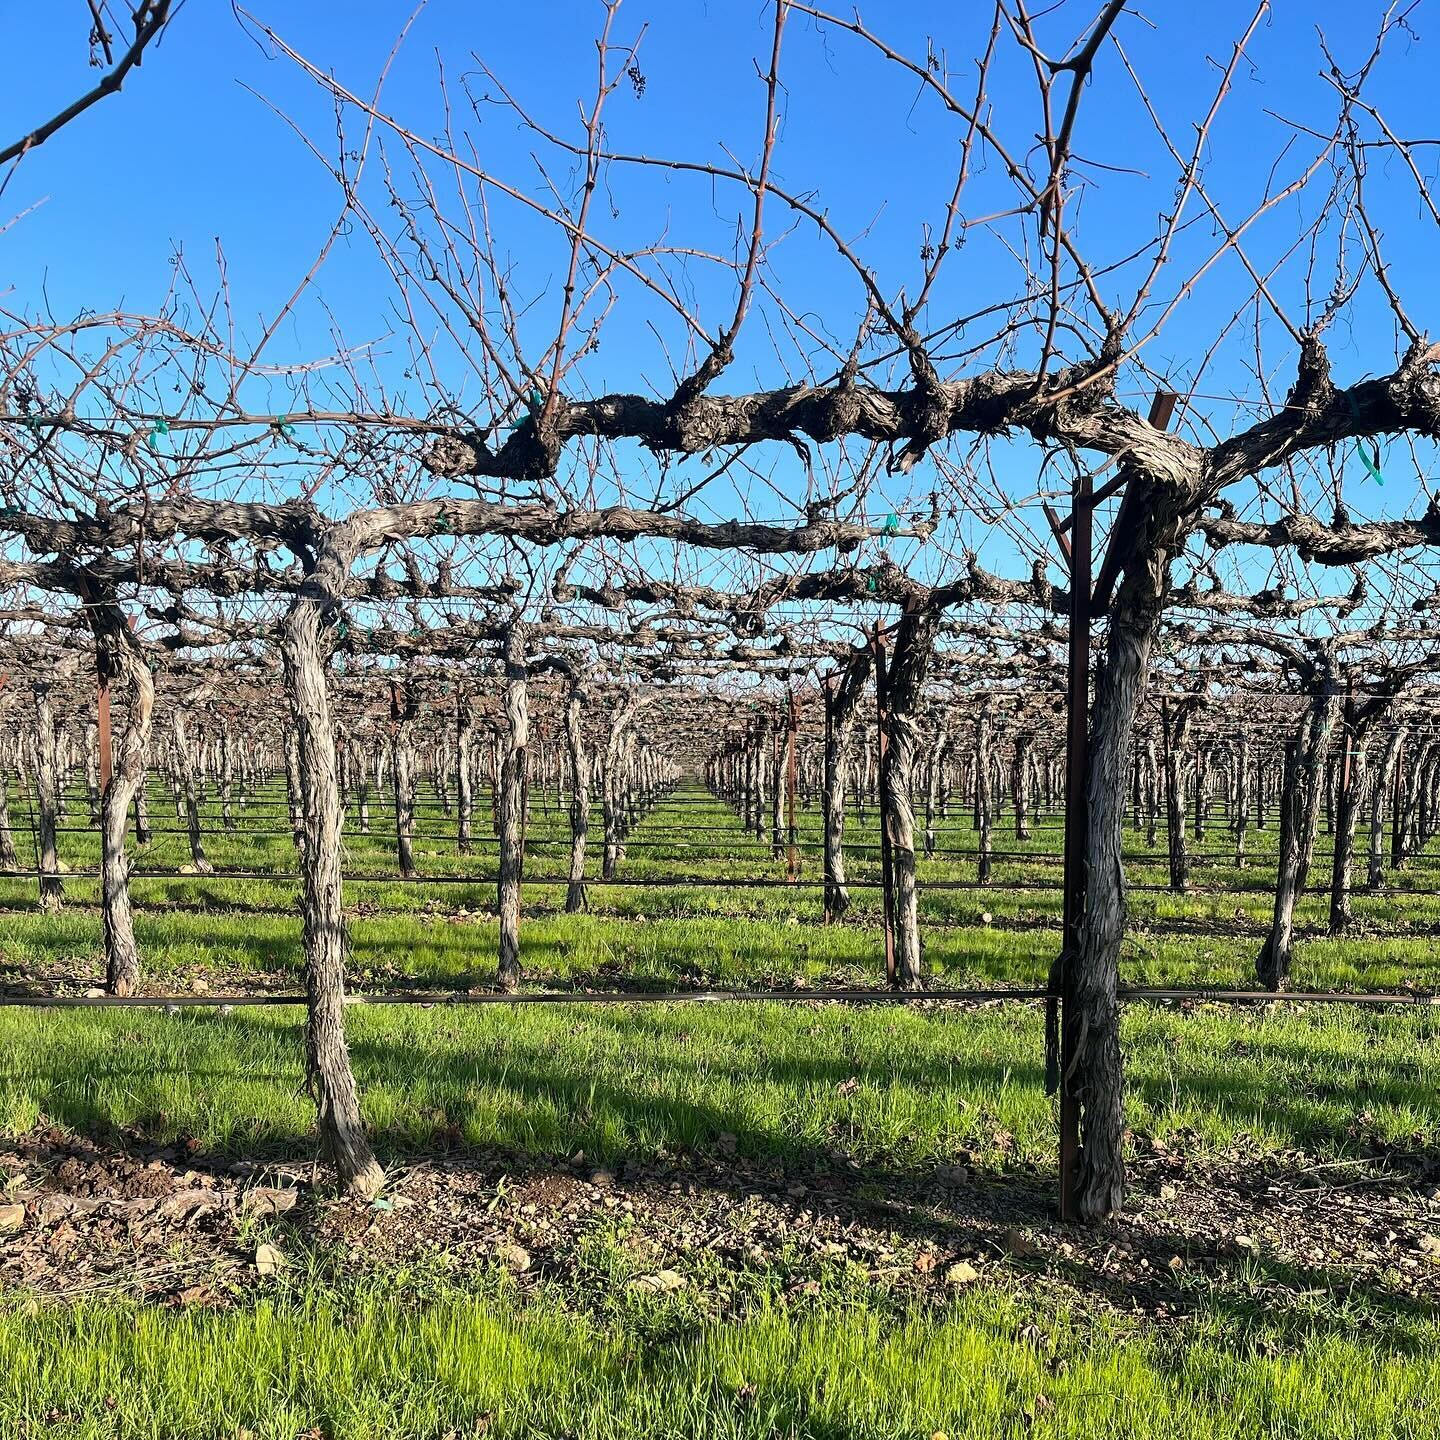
(1251, 1294)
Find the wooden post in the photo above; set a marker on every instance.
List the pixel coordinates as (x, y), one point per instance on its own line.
(887, 874)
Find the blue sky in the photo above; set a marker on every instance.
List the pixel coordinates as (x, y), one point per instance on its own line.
(187, 153)
(190, 152)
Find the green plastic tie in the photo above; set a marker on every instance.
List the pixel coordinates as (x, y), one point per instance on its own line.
(286, 428)
(892, 524)
(871, 585)
(159, 428)
(1371, 464)
(536, 400)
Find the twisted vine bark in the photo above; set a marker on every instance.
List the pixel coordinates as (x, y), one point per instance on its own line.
(326, 939)
(1299, 816)
(402, 775)
(842, 696)
(1020, 783)
(46, 772)
(612, 799)
(185, 771)
(119, 660)
(512, 805)
(464, 780)
(909, 662)
(984, 789)
(9, 860)
(580, 776)
(1089, 977)
(1379, 794)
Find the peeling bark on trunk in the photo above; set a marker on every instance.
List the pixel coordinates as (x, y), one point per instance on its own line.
(1241, 820)
(1299, 817)
(841, 700)
(332, 1082)
(142, 817)
(777, 791)
(293, 788)
(402, 779)
(1202, 791)
(909, 662)
(762, 773)
(1176, 731)
(362, 791)
(934, 764)
(46, 767)
(612, 797)
(185, 768)
(1152, 794)
(1349, 800)
(9, 860)
(512, 806)
(464, 762)
(1020, 785)
(92, 771)
(119, 661)
(1089, 978)
(1379, 794)
(575, 899)
(227, 780)
(984, 797)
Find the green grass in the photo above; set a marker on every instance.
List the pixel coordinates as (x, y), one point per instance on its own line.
(406, 1354)
(629, 1081)
(373, 1365)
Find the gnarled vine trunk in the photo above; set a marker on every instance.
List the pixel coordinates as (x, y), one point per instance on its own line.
(512, 805)
(842, 695)
(185, 771)
(1089, 977)
(914, 641)
(580, 776)
(464, 783)
(46, 769)
(326, 940)
(1380, 790)
(9, 860)
(402, 780)
(119, 661)
(1300, 799)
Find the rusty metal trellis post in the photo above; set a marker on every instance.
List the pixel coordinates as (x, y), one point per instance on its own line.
(887, 873)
